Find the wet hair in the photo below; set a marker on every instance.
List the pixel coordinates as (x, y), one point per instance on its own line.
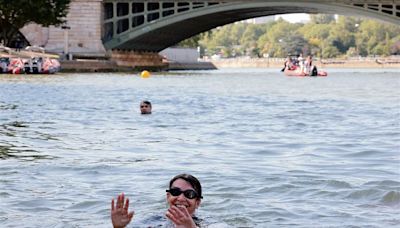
(193, 181)
(147, 102)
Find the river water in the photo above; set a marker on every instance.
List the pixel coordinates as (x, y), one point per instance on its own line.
(269, 150)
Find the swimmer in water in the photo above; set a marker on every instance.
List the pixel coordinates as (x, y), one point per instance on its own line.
(145, 107)
(183, 197)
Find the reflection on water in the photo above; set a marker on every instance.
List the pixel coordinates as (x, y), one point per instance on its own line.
(270, 151)
(7, 152)
(7, 107)
(11, 131)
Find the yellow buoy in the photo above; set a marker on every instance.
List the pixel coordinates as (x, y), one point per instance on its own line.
(145, 74)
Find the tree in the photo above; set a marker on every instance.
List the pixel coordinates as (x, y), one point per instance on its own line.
(322, 18)
(315, 31)
(316, 35)
(274, 40)
(15, 14)
(329, 51)
(342, 35)
(326, 38)
(294, 44)
(192, 42)
(395, 48)
(248, 41)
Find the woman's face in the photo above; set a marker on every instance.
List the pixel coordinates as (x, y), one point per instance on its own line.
(180, 200)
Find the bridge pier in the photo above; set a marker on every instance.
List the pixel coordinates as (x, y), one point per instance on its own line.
(138, 59)
(84, 39)
(84, 36)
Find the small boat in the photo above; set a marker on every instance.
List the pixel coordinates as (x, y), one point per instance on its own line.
(11, 65)
(16, 66)
(40, 65)
(50, 66)
(4, 62)
(299, 73)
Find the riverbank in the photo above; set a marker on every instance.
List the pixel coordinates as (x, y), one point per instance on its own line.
(117, 65)
(393, 62)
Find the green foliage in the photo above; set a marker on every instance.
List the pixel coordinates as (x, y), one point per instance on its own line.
(315, 31)
(342, 34)
(15, 14)
(322, 18)
(352, 52)
(329, 51)
(395, 48)
(192, 42)
(323, 37)
(277, 37)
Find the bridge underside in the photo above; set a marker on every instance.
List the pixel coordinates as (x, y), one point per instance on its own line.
(161, 38)
(162, 32)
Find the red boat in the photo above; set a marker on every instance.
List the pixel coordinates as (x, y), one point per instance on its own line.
(302, 68)
(40, 65)
(50, 66)
(16, 66)
(298, 72)
(36, 65)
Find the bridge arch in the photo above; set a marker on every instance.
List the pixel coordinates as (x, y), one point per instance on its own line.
(186, 20)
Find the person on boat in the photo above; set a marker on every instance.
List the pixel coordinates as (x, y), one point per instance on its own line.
(300, 61)
(145, 107)
(310, 68)
(308, 65)
(289, 65)
(300, 58)
(183, 196)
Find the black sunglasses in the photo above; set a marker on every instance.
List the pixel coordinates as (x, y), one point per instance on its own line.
(190, 194)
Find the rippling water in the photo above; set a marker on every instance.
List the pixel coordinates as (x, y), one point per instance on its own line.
(270, 150)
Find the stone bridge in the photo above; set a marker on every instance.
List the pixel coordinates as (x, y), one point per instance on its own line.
(156, 25)
(98, 26)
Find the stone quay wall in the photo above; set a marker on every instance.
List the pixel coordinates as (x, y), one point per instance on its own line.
(137, 59)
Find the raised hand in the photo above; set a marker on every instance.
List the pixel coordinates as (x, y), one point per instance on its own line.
(120, 216)
(180, 217)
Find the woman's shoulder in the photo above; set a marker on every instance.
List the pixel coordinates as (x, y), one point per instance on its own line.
(157, 221)
(209, 222)
(217, 225)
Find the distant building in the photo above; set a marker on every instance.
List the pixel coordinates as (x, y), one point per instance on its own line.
(294, 17)
(182, 55)
(260, 20)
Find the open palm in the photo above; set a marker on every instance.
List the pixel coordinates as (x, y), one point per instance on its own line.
(120, 216)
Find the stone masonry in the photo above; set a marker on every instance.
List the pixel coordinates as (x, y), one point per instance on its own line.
(84, 40)
(84, 19)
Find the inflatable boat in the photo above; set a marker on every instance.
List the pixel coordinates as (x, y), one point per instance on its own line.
(299, 73)
(39, 65)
